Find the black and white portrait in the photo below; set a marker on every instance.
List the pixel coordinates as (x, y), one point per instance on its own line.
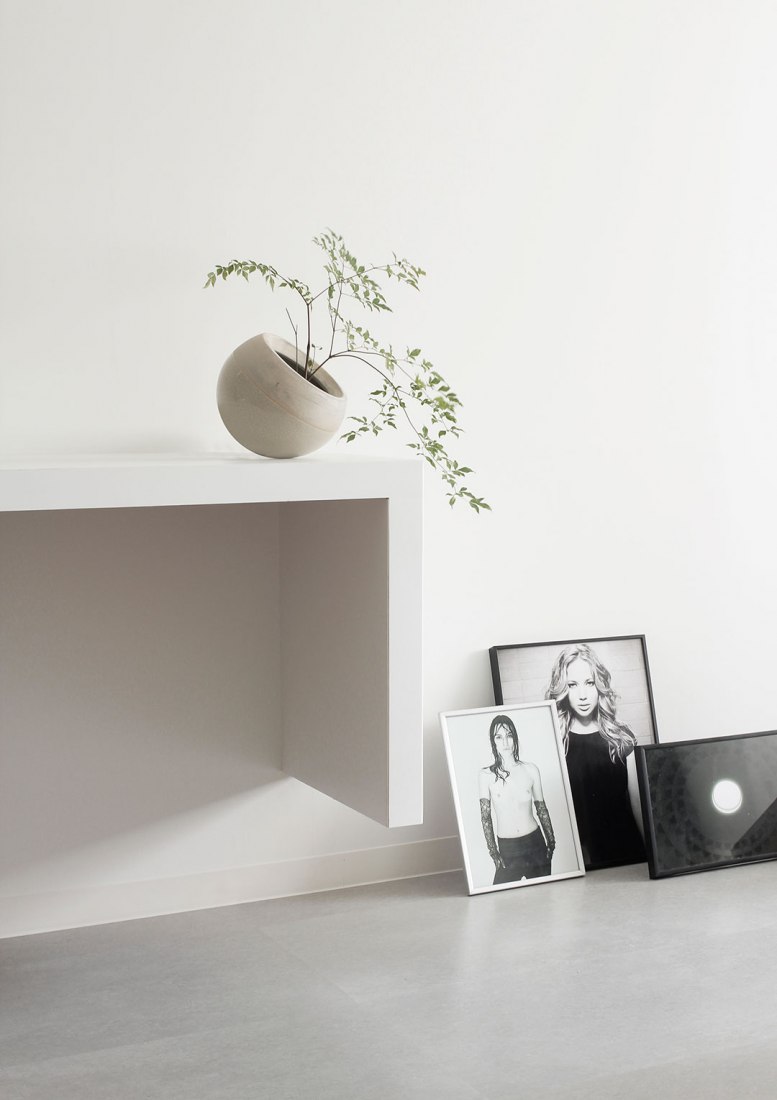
(602, 691)
(512, 796)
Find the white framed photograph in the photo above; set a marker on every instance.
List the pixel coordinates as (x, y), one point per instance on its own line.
(512, 796)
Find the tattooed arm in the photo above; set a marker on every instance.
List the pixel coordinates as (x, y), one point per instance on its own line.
(541, 811)
(487, 823)
(544, 820)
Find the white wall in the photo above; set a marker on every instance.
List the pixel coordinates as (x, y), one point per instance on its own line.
(591, 189)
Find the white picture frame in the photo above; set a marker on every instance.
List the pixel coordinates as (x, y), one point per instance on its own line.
(475, 767)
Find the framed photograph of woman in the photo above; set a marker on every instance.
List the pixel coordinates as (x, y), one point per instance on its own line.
(512, 796)
(601, 687)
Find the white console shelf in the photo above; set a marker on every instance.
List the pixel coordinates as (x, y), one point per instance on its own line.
(348, 561)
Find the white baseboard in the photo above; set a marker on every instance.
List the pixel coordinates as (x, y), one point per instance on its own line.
(24, 915)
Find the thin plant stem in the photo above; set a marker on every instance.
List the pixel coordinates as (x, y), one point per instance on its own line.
(346, 278)
(390, 381)
(336, 314)
(307, 349)
(296, 346)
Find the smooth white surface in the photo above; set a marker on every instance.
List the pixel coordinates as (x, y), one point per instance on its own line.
(45, 482)
(591, 190)
(334, 638)
(107, 902)
(350, 578)
(149, 645)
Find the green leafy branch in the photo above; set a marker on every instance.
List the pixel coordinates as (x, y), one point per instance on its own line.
(410, 390)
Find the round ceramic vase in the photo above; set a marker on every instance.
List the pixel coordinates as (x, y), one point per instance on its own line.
(268, 407)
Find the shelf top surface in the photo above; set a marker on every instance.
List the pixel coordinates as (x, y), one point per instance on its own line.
(51, 481)
(180, 460)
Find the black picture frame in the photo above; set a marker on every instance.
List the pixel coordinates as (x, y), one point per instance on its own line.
(607, 802)
(709, 803)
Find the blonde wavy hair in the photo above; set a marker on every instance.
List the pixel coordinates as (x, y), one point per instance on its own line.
(620, 739)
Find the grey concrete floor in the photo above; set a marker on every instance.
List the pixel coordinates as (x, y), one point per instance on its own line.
(605, 986)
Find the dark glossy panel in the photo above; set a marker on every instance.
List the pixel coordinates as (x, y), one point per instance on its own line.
(686, 830)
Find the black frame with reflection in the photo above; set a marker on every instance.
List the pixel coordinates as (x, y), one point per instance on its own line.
(709, 803)
(609, 830)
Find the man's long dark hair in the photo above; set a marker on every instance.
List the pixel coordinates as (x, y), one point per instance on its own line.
(502, 722)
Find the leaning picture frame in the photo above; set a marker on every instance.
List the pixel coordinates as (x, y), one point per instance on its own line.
(512, 796)
(709, 803)
(604, 695)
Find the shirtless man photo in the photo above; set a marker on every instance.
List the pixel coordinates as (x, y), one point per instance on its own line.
(510, 797)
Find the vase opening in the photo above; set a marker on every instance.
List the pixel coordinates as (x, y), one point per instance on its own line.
(301, 371)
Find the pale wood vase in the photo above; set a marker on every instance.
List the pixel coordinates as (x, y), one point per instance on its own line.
(269, 408)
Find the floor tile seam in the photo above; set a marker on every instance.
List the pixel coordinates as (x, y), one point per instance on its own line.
(107, 1048)
(282, 949)
(616, 948)
(410, 1039)
(96, 1049)
(77, 1063)
(421, 1048)
(198, 961)
(724, 1043)
(591, 1076)
(110, 1048)
(405, 999)
(698, 925)
(720, 1050)
(314, 969)
(736, 1043)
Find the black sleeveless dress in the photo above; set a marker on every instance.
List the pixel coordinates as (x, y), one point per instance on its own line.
(608, 832)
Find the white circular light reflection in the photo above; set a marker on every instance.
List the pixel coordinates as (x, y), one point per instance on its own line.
(727, 796)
